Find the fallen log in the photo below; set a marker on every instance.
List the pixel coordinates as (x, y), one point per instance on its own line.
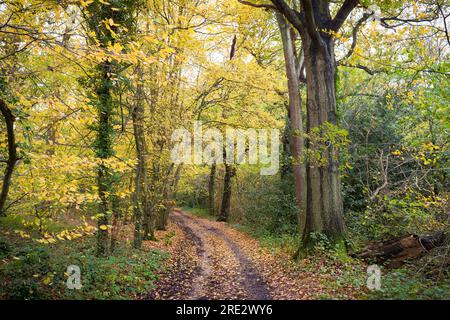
(395, 252)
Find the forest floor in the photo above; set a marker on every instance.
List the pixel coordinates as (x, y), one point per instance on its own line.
(211, 260)
(197, 257)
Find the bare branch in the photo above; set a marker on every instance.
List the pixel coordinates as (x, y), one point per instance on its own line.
(233, 47)
(384, 171)
(342, 14)
(402, 21)
(355, 31)
(445, 23)
(291, 15)
(360, 66)
(258, 5)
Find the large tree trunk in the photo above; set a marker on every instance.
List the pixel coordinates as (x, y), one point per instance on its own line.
(139, 199)
(225, 208)
(295, 119)
(315, 24)
(12, 153)
(286, 165)
(324, 205)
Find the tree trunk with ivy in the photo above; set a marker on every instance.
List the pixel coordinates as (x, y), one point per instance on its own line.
(104, 150)
(107, 23)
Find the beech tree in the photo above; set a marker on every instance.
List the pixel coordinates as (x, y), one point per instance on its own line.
(316, 26)
(317, 23)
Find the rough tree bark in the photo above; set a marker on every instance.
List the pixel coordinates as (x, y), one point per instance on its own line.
(324, 211)
(325, 208)
(295, 118)
(12, 154)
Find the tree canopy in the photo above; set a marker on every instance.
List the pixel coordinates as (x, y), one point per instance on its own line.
(92, 92)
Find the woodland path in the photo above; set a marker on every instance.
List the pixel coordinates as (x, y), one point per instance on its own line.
(212, 261)
(220, 259)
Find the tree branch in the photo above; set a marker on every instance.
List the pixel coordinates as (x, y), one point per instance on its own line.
(445, 23)
(233, 47)
(384, 21)
(258, 5)
(355, 34)
(360, 66)
(310, 22)
(384, 171)
(342, 14)
(291, 15)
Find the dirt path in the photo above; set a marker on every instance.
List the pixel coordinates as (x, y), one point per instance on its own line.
(224, 271)
(208, 264)
(212, 261)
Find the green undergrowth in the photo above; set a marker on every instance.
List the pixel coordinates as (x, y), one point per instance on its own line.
(34, 271)
(199, 212)
(18, 222)
(427, 278)
(279, 242)
(403, 284)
